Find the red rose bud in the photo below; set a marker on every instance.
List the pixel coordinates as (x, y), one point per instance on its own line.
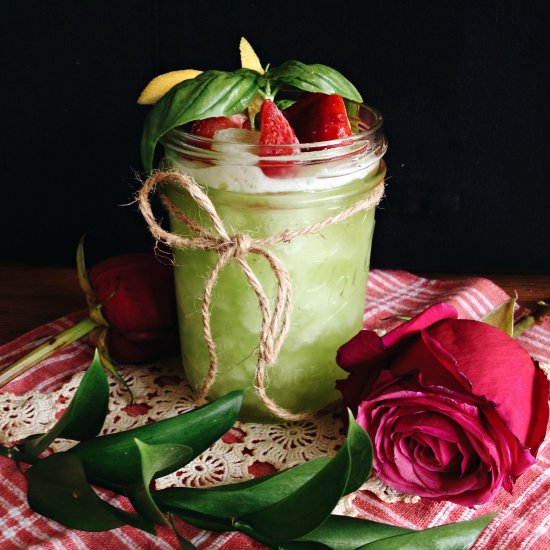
(137, 297)
(456, 409)
(135, 294)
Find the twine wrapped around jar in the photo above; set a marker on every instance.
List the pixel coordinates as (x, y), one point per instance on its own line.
(275, 320)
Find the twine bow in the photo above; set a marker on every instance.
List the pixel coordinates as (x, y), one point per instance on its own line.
(276, 320)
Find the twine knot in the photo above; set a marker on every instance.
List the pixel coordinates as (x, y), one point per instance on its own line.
(237, 246)
(275, 319)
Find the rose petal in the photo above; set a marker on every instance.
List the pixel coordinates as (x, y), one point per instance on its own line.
(435, 366)
(432, 315)
(365, 346)
(362, 356)
(500, 370)
(401, 421)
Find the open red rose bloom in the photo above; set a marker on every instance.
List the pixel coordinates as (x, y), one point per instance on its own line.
(456, 409)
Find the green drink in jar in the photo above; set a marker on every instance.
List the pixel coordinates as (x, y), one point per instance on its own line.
(294, 173)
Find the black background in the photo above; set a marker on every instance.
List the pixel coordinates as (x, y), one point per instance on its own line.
(463, 87)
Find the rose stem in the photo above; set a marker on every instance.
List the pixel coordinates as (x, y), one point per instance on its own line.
(542, 310)
(46, 349)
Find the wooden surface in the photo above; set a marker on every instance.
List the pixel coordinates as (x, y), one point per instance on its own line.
(31, 296)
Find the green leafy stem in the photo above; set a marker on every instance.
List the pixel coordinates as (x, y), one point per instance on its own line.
(288, 510)
(224, 93)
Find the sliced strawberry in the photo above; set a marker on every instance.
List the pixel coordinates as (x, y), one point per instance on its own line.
(208, 127)
(294, 112)
(275, 130)
(319, 117)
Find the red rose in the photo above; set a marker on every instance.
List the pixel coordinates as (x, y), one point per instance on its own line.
(456, 409)
(137, 297)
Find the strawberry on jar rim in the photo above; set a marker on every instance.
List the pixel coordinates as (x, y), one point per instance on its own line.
(276, 139)
(319, 117)
(208, 127)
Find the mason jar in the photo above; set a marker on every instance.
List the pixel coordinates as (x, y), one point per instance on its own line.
(263, 196)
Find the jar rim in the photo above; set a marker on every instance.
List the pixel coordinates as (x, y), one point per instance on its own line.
(369, 122)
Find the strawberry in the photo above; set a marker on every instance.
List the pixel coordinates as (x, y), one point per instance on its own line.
(275, 130)
(319, 117)
(208, 127)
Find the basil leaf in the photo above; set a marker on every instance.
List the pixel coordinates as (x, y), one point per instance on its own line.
(84, 416)
(352, 110)
(461, 535)
(114, 459)
(210, 94)
(283, 104)
(239, 499)
(59, 490)
(314, 78)
(154, 459)
(347, 533)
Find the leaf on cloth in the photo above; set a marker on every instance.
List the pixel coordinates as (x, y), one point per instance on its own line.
(155, 459)
(59, 490)
(114, 459)
(311, 503)
(453, 535)
(345, 533)
(239, 499)
(85, 415)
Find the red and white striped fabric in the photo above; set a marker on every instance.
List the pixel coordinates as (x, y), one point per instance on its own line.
(523, 519)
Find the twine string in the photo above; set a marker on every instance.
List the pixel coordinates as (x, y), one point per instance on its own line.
(275, 320)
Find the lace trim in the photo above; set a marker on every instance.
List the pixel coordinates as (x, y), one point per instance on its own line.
(161, 391)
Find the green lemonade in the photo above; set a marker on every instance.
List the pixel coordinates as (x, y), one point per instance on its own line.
(328, 271)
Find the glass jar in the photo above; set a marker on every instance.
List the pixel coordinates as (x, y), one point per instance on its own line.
(264, 196)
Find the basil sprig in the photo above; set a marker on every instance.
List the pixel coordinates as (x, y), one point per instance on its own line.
(225, 93)
(211, 94)
(313, 78)
(288, 510)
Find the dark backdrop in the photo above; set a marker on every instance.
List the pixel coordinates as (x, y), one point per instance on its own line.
(463, 87)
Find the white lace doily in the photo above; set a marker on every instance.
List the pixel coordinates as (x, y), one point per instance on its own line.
(161, 392)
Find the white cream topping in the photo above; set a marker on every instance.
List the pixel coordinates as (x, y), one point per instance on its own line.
(242, 174)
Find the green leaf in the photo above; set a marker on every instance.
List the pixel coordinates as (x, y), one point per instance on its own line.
(204, 521)
(212, 93)
(113, 460)
(59, 490)
(360, 447)
(182, 541)
(314, 78)
(502, 316)
(306, 507)
(453, 536)
(239, 499)
(352, 109)
(82, 272)
(347, 533)
(154, 459)
(303, 545)
(85, 415)
(283, 104)
(10, 452)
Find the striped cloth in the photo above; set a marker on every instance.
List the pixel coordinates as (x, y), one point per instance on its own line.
(523, 518)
